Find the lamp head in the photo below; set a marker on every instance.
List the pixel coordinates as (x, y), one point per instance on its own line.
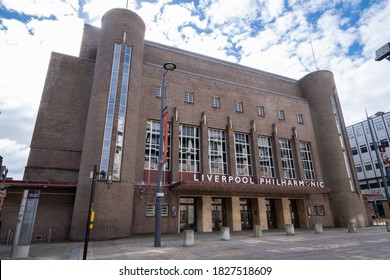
(170, 66)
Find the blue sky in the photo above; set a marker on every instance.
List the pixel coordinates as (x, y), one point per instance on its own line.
(285, 37)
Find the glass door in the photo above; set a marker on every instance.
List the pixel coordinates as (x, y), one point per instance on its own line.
(187, 214)
(218, 213)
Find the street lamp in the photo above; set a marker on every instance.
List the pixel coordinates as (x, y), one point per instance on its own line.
(383, 52)
(91, 213)
(168, 66)
(378, 157)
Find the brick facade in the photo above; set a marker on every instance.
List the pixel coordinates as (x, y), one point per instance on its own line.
(67, 146)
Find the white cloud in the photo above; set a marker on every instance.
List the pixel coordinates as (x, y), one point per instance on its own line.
(42, 8)
(14, 157)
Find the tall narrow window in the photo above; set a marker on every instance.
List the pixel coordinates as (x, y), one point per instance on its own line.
(189, 97)
(215, 102)
(122, 116)
(307, 161)
(265, 154)
(217, 152)
(189, 150)
(152, 146)
(260, 111)
(158, 91)
(281, 115)
(243, 155)
(287, 159)
(239, 107)
(108, 128)
(300, 118)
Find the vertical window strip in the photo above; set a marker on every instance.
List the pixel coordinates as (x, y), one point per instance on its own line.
(266, 159)
(287, 159)
(243, 156)
(217, 152)
(152, 146)
(342, 144)
(106, 147)
(189, 149)
(307, 161)
(122, 115)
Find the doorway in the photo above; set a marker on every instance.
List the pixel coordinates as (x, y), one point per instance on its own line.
(218, 215)
(187, 213)
(294, 213)
(246, 213)
(271, 213)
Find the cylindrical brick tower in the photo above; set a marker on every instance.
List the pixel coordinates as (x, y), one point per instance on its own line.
(336, 162)
(111, 129)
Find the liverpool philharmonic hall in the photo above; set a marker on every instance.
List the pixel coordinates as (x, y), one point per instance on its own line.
(241, 147)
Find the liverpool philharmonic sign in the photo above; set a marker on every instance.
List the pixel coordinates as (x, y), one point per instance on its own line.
(262, 181)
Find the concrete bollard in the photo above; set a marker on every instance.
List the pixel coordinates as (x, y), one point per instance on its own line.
(257, 231)
(388, 226)
(318, 228)
(189, 239)
(225, 233)
(351, 228)
(289, 229)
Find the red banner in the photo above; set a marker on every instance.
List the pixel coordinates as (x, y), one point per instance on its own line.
(165, 132)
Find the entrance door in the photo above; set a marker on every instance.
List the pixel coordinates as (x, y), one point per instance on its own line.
(187, 214)
(271, 214)
(218, 213)
(246, 214)
(294, 213)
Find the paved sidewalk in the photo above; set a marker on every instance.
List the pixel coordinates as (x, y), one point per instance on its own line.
(332, 244)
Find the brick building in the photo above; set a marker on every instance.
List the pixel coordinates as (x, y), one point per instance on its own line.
(245, 147)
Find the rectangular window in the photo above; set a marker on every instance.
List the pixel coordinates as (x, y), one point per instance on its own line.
(363, 149)
(152, 146)
(189, 149)
(281, 115)
(359, 169)
(318, 210)
(260, 111)
(287, 159)
(266, 159)
(239, 107)
(299, 118)
(379, 125)
(359, 132)
(215, 102)
(217, 151)
(151, 209)
(158, 91)
(189, 97)
(307, 161)
(384, 143)
(368, 166)
(354, 151)
(243, 156)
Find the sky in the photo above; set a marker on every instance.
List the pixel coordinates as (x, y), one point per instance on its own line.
(286, 37)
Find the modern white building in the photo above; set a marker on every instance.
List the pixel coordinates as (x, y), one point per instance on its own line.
(365, 157)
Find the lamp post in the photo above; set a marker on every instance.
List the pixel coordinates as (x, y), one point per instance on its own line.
(168, 66)
(378, 157)
(91, 213)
